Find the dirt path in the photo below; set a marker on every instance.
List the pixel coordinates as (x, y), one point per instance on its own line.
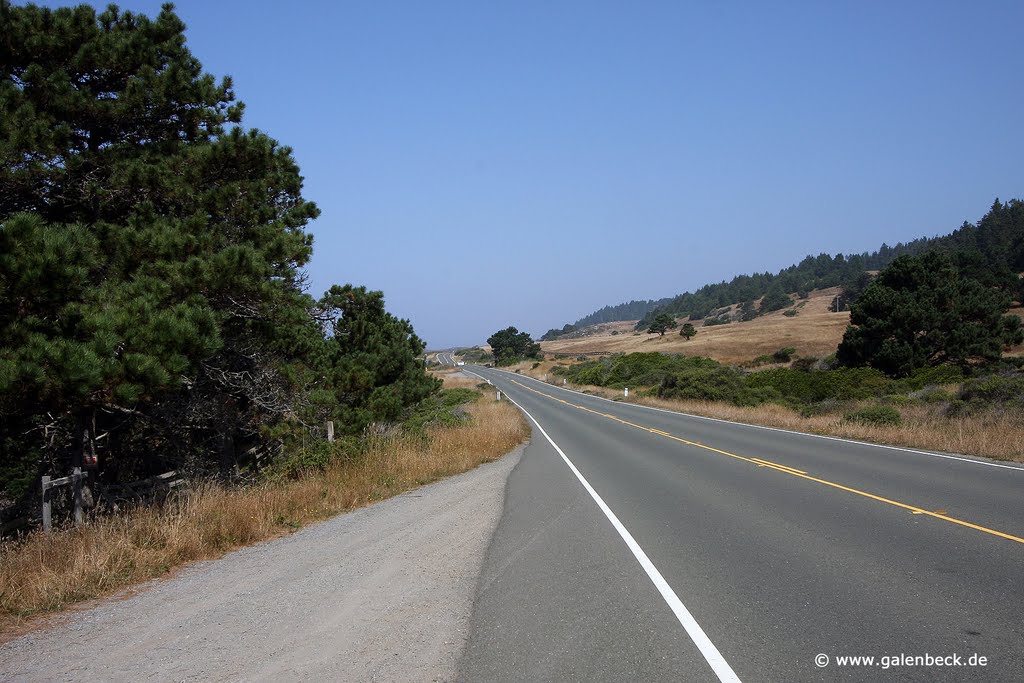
(381, 594)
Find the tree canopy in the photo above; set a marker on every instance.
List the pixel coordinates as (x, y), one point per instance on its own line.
(510, 345)
(152, 299)
(661, 324)
(920, 311)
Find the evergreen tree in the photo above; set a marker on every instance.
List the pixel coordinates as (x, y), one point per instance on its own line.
(662, 324)
(151, 290)
(510, 345)
(687, 331)
(919, 311)
(775, 299)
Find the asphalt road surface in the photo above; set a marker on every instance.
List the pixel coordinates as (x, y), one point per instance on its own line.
(644, 545)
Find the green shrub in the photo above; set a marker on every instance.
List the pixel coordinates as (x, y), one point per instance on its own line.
(994, 390)
(805, 364)
(441, 409)
(790, 313)
(939, 374)
(844, 384)
(784, 355)
(875, 415)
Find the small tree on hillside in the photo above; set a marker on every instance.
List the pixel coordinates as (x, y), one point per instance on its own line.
(687, 331)
(661, 324)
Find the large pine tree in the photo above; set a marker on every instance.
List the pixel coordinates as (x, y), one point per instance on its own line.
(151, 291)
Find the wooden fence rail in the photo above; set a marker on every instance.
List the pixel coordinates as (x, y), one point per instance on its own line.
(75, 479)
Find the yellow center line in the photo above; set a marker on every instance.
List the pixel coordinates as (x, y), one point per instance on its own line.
(785, 469)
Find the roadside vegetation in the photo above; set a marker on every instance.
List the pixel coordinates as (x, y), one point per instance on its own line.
(939, 411)
(155, 325)
(456, 430)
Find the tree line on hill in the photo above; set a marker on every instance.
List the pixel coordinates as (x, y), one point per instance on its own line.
(153, 312)
(991, 252)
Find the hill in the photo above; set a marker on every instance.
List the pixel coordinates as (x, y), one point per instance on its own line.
(815, 331)
(991, 251)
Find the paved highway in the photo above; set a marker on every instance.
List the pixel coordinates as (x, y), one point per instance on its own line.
(638, 544)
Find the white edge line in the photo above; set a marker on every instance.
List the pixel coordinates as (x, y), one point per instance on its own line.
(700, 639)
(972, 461)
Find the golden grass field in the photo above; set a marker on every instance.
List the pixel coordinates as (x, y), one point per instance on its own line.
(814, 331)
(47, 572)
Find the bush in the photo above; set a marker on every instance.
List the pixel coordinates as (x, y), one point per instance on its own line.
(790, 313)
(875, 415)
(994, 390)
(805, 364)
(829, 405)
(784, 355)
(844, 384)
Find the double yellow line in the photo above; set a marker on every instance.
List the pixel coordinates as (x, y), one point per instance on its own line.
(785, 469)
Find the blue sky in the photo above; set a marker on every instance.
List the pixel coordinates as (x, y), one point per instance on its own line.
(489, 164)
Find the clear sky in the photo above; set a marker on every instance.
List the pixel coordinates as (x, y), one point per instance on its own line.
(488, 164)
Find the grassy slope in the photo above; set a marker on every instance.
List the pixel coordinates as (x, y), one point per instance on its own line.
(814, 331)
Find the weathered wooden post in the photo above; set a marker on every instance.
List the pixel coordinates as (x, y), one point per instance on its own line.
(76, 487)
(47, 512)
(330, 431)
(498, 398)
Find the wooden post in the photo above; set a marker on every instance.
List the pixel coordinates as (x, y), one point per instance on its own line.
(330, 431)
(47, 513)
(627, 392)
(76, 485)
(498, 398)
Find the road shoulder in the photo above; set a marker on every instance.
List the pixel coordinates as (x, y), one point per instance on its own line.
(381, 593)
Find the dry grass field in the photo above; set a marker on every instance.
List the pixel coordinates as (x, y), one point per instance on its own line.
(814, 331)
(47, 572)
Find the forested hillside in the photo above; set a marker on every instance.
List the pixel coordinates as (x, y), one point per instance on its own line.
(153, 312)
(991, 251)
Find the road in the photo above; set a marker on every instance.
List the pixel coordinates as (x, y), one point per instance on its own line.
(638, 544)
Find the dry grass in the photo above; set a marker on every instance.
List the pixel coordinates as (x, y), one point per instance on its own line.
(992, 435)
(815, 331)
(47, 572)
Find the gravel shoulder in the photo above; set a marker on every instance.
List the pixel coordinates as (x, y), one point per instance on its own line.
(380, 594)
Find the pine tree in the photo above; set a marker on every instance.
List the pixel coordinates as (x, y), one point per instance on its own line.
(919, 311)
